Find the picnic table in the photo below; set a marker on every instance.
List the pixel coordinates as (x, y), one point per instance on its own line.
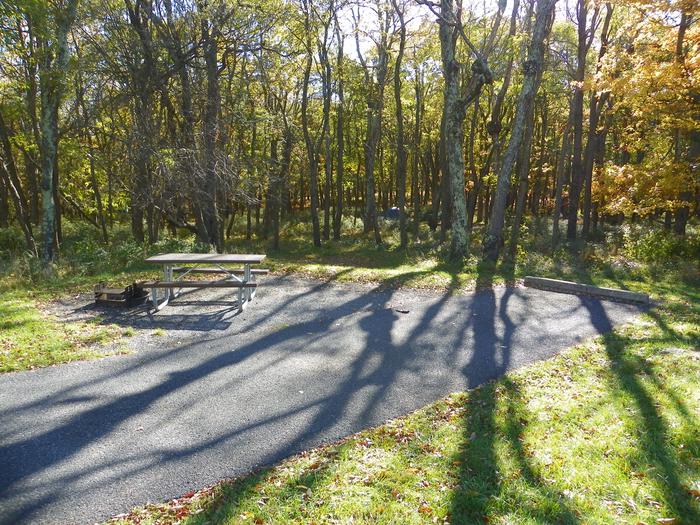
(177, 266)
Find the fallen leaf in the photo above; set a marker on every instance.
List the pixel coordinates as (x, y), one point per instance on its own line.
(666, 521)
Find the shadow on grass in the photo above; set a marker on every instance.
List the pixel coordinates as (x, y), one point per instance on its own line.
(629, 369)
(480, 485)
(654, 443)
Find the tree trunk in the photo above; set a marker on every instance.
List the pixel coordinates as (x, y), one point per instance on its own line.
(326, 131)
(455, 103)
(339, 138)
(210, 130)
(597, 103)
(311, 150)
(96, 190)
(532, 73)
(585, 37)
(415, 158)
(13, 185)
(522, 189)
(51, 76)
(4, 204)
(561, 174)
(401, 155)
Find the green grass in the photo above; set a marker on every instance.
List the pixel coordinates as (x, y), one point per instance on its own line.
(30, 338)
(606, 432)
(354, 258)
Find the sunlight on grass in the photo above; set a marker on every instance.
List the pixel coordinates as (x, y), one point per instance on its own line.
(31, 339)
(603, 433)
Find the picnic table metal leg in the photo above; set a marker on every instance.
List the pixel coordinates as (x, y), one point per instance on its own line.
(167, 273)
(168, 276)
(246, 279)
(241, 300)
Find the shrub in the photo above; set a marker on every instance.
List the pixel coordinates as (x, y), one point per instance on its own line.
(11, 242)
(659, 246)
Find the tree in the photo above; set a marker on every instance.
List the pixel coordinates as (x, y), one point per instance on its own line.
(401, 154)
(455, 103)
(54, 25)
(586, 33)
(375, 76)
(532, 68)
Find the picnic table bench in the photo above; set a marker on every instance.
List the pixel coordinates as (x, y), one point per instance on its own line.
(177, 266)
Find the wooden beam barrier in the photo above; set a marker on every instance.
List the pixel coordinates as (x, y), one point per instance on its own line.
(555, 285)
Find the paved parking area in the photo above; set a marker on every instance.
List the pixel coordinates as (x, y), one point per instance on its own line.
(218, 394)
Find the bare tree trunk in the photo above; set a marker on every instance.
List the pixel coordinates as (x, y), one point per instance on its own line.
(143, 77)
(376, 83)
(456, 101)
(585, 37)
(401, 155)
(326, 131)
(339, 139)
(280, 183)
(4, 204)
(597, 102)
(32, 162)
(560, 175)
(51, 76)
(13, 185)
(417, 132)
(522, 189)
(311, 147)
(210, 130)
(532, 73)
(96, 190)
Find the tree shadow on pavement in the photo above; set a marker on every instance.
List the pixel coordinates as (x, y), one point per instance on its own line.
(378, 365)
(375, 368)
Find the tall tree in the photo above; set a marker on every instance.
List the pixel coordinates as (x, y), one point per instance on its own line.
(532, 68)
(401, 154)
(456, 99)
(375, 76)
(55, 25)
(586, 29)
(339, 133)
(312, 142)
(596, 136)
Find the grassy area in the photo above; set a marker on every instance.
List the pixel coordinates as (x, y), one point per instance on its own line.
(30, 338)
(607, 432)
(628, 258)
(604, 433)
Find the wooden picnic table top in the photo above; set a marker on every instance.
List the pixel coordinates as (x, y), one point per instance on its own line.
(195, 258)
